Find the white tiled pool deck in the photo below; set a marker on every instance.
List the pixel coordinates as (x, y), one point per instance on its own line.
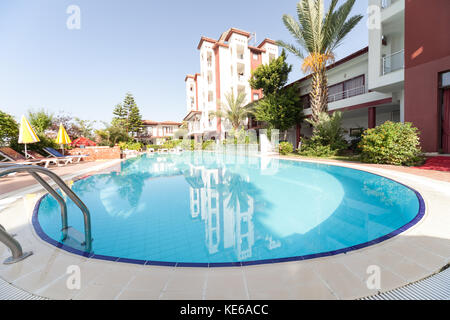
(413, 255)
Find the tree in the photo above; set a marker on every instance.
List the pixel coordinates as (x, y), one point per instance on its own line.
(85, 128)
(234, 111)
(9, 130)
(280, 111)
(135, 120)
(271, 77)
(127, 115)
(111, 135)
(40, 120)
(328, 130)
(120, 115)
(133, 116)
(280, 108)
(318, 35)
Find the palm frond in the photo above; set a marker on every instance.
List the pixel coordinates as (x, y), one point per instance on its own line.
(345, 30)
(291, 48)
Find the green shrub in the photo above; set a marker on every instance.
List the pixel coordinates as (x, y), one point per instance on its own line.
(313, 148)
(391, 143)
(328, 131)
(154, 146)
(130, 146)
(187, 144)
(171, 144)
(208, 145)
(285, 148)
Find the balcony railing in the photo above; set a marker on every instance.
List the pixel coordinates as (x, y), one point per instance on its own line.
(393, 62)
(387, 3)
(346, 94)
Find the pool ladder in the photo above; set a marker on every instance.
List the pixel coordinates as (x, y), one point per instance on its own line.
(34, 171)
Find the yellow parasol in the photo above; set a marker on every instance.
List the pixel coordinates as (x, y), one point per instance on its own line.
(63, 137)
(27, 134)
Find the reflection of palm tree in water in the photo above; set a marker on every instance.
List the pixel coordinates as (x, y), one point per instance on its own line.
(134, 172)
(240, 191)
(130, 186)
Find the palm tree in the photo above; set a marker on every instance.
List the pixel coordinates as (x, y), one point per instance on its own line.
(317, 36)
(234, 110)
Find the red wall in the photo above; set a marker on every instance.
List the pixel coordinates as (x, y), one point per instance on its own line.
(218, 97)
(427, 53)
(255, 64)
(96, 153)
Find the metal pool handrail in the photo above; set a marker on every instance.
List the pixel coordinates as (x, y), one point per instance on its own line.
(14, 246)
(6, 168)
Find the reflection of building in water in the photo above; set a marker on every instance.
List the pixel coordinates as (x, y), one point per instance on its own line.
(220, 199)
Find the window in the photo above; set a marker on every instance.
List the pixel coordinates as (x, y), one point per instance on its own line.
(167, 130)
(305, 101)
(347, 89)
(354, 87)
(445, 80)
(255, 97)
(255, 56)
(336, 92)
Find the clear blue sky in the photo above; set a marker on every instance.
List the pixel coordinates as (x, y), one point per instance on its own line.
(141, 46)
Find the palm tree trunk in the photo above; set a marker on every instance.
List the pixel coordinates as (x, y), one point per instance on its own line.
(319, 93)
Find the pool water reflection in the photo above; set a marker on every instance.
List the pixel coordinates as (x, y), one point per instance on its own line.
(207, 208)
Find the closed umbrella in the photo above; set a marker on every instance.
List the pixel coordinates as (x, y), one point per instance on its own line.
(62, 138)
(27, 134)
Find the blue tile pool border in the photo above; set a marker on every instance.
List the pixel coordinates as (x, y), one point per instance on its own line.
(91, 255)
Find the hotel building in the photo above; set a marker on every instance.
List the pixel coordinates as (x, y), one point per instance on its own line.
(154, 132)
(225, 66)
(403, 75)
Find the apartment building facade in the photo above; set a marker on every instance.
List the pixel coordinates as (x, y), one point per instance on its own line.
(154, 132)
(349, 92)
(403, 75)
(225, 66)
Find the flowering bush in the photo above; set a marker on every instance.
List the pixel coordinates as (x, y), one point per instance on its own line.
(391, 143)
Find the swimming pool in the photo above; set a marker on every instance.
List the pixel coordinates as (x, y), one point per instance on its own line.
(208, 209)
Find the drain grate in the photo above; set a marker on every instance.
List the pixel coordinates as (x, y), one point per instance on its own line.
(436, 287)
(9, 292)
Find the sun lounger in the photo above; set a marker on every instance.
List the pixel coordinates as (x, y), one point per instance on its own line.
(130, 153)
(56, 160)
(54, 153)
(11, 156)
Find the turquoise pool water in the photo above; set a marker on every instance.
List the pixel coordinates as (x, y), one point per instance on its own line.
(206, 208)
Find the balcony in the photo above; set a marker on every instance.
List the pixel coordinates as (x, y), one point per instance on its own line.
(387, 3)
(393, 62)
(346, 94)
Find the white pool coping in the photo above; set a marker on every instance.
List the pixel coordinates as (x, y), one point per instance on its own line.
(413, 255)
